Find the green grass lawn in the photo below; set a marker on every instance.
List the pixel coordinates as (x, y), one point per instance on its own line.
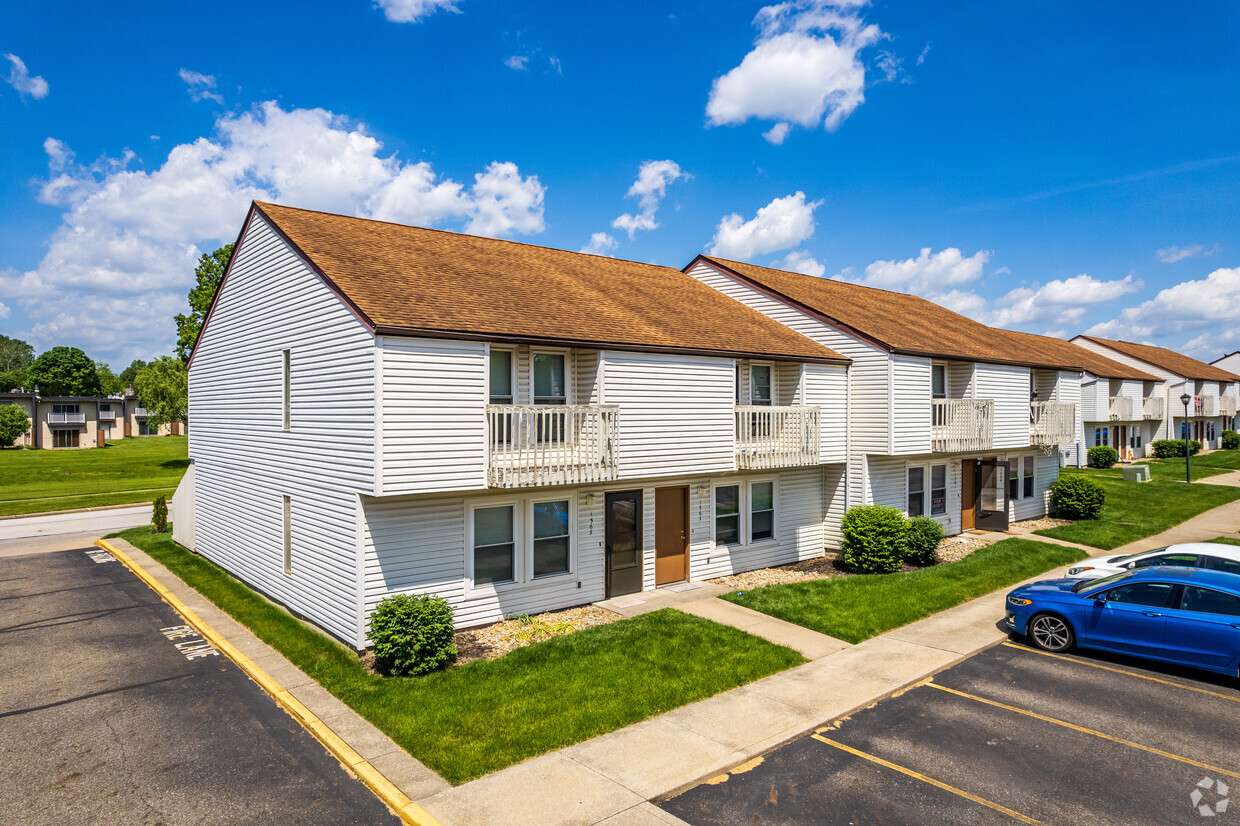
(1226, 540)
(475, 719)
(1134, 511)
(856, 608)
(128, 470)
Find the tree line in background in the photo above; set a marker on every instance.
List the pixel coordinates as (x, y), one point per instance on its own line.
(162, 385)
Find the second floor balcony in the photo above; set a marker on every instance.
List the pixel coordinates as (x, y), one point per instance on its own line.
(1052, 423)
(537, 445)
(1152, 408)
(1204, 406)
(107, 415)
(1227, 405)
(774, 437)
(1119, 408)
(961, 424)
(141, 412)
(66, 418)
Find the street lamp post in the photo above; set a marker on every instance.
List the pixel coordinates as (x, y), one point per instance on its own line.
(1188, 473)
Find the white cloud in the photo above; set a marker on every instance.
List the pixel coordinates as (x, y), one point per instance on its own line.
(777, 133)
(805, 68)
(650, 188)
(412, 11)
(921, 58)
(1170, 255)
(201, 87)
(781, 224)
(20, 79)
(928, 272)
(518, 62)
(1062, 301)
(5, 311)
(1213, 302)
(119, 266)
(601, 243)
(802, 262)
(1214, 344)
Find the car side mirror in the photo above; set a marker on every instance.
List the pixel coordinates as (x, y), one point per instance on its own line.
(1100, 597)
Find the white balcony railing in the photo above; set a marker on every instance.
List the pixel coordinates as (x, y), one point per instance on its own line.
(141, 412)
(1204, 406)
(1120, 408)
(1227, 405)
(66, 418)
(534, 445)
(1052, 423)
(961, 424)
(107, 415)
(774, 437)
(1152, 408)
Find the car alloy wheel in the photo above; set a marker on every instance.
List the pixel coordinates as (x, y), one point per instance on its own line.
(1050, 633)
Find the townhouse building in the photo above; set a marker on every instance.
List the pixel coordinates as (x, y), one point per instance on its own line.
(82, 421)
(1212, 392)
(384, 409)
(947, 418)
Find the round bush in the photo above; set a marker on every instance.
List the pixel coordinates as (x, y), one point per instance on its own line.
(922, 543)
(874, 539)
(1077, 497)
(412, 634)
(1103, 456)
(1231, 440)
(1174, 448)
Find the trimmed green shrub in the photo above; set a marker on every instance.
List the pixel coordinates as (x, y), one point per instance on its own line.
(1103, 456)
(922, 542)
(159, 515)
(1077, 497)
(1174, 448)
(412, 634)
(874, 539)
(1231, 440)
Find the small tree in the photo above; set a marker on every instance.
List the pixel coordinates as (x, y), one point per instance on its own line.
(412, 635)
(65, 371)
(159, 516)
(874, 538)
(163, 389)
(13, 423)
(207, 277)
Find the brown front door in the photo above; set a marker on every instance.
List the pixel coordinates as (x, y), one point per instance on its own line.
(671, 535)
(968, 495)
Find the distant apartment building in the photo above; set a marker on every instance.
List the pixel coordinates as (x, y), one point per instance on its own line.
(67, 422)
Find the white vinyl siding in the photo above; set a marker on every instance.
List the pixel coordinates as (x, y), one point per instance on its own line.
(245, 463)
(676, 413)
(826, 387)
(911, 392)
(1008, 387)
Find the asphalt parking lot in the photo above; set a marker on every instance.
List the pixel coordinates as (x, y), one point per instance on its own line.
(113, 711)
(1011, 735)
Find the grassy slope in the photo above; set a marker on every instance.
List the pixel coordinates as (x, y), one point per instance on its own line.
(1134, 511)
(472, 720)
(1226, 540)
(858, 607)
(48, 480)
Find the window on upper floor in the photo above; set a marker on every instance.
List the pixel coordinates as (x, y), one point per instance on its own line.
(500, 377)
(287, 397)
(550, 385)
(65, 408)
(938, 381)
(760, 384)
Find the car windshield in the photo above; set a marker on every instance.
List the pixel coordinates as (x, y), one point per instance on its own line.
(1100, 583)
(1129, 557)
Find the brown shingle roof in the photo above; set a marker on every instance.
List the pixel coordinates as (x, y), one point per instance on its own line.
(414, 281)
(1168, 360)
(900, 322)
(1077, 356)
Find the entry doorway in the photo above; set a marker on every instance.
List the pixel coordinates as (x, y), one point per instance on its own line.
(671, 535)
(992, 495)
(968, 495)
(623, 541)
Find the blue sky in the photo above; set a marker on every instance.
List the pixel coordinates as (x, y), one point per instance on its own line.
(1051, 167)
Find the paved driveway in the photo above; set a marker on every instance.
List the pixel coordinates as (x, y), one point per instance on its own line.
(1010, 735)
(111, 711)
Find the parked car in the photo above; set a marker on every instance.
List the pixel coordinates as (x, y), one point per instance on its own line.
(1187, 616)
(1186, 555)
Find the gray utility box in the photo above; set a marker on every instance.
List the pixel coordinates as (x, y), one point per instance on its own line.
(1137, 473)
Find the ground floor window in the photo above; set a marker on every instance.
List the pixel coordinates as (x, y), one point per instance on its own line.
(494, 544)
(744, 512)
(927, 491)
(761, 511)
(1013, 478)
(551, 537)
(938, 490)
(916, 491)
(728, 515)
(145, 429)
(64, 438)
(1028, 478)
(519, 540)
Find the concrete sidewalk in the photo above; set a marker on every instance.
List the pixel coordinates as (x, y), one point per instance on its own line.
(21, 535)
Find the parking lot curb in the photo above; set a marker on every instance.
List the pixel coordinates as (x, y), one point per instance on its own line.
(383, 788)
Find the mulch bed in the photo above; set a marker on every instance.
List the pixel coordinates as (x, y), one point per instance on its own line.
(492, 641)
(1040, 524)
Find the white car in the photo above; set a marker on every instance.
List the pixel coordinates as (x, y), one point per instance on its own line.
(1189, 555)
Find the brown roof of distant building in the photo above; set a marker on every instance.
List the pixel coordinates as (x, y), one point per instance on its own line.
(898, 322)
(1078, 356)
(1168, 360)
(404, 280)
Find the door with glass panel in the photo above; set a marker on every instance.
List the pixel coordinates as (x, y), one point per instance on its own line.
(623, 533)
(992, 491)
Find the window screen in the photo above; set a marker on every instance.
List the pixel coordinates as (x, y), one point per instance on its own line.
(761, 511)
(551, 538)
(938, 490)
(494, 545)
(916, 491)
(727, 515)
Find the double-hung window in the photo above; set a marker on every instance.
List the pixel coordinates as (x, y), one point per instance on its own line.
(760, 385)
(500, 370)
(494, 534)
(551, 538)
(1027, 479)
(761, 511)
(938, 490)
(938, 381)
(916, 491)
(550, 388)
(1013, 479)
(728, 515)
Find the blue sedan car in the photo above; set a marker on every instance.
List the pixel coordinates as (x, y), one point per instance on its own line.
(1187, 616)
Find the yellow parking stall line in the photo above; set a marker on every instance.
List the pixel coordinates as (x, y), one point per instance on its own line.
(923, 778)
(1084, 730)
(1234, 699)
